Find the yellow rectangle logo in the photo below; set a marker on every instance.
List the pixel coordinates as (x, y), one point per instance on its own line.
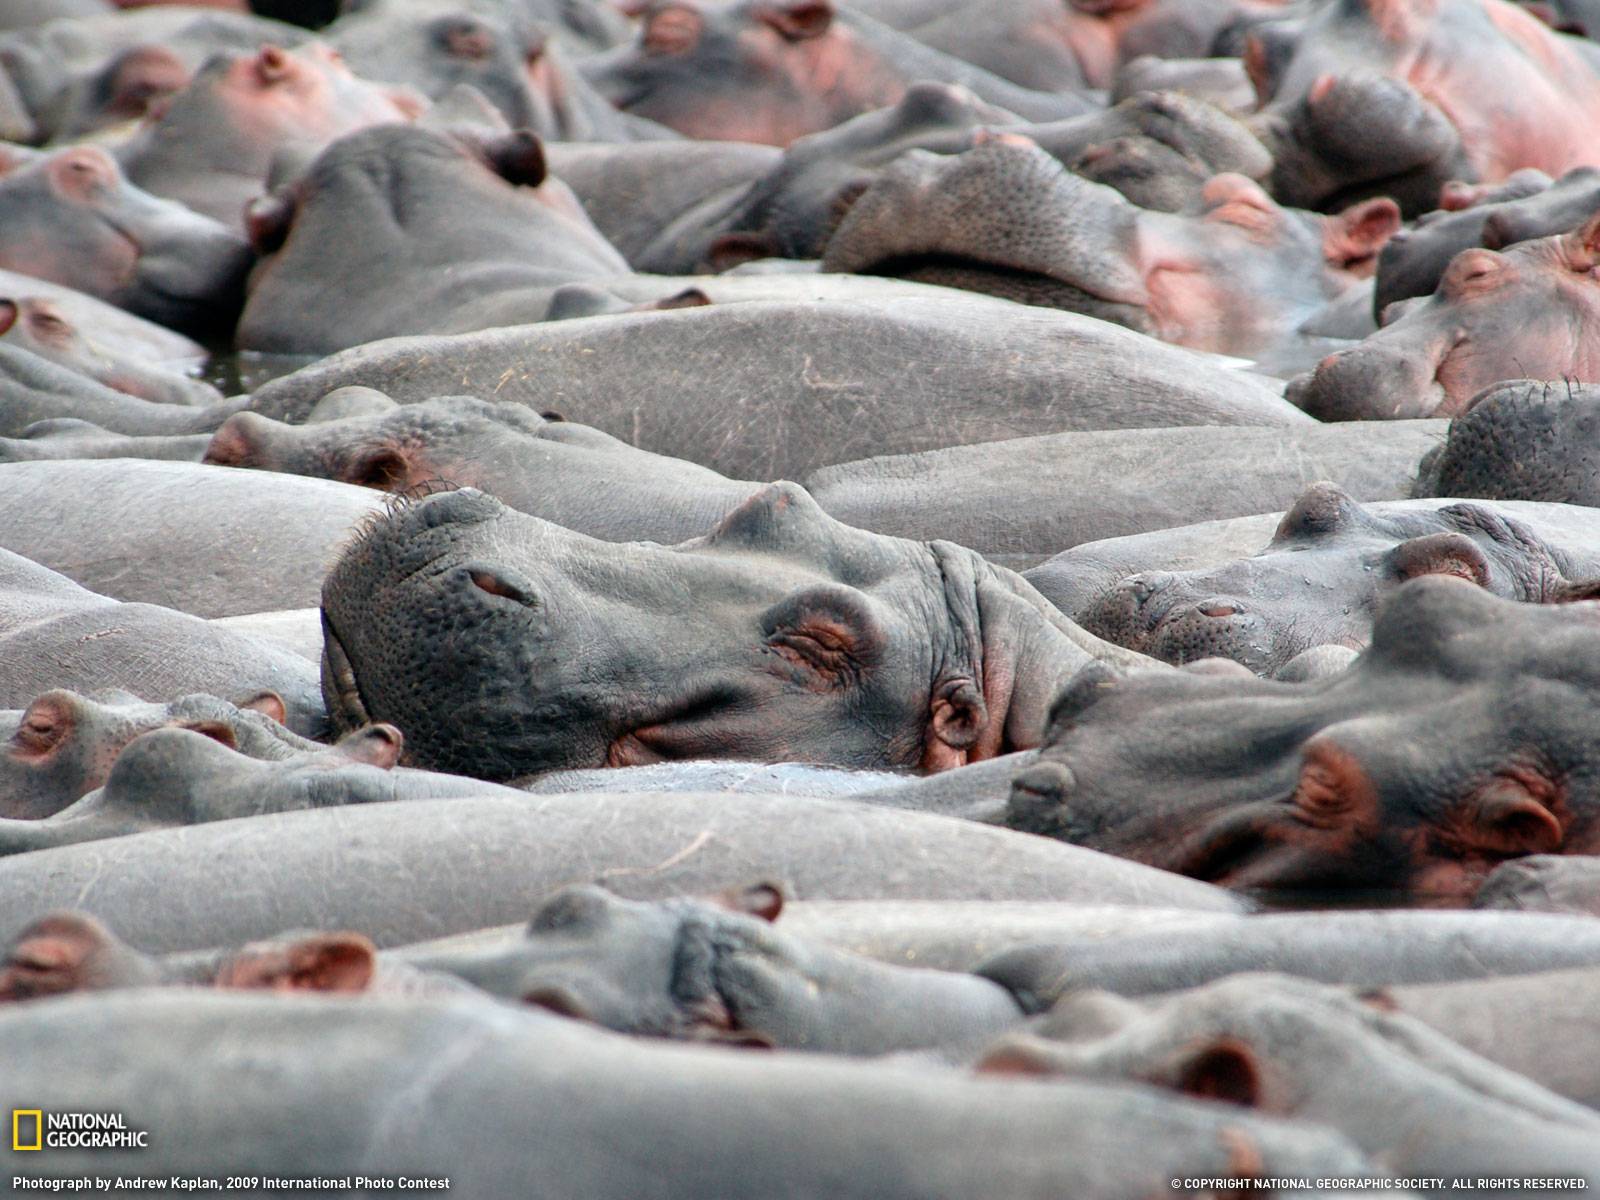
(17, 1115)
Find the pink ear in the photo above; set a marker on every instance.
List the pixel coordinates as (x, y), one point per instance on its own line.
(1508, 818)
(319, 962)
(672, 29)
(1224, 1071)
(1357, 234)
(49, 957)
(1583, 244)
(268, 704)
(798, 20)
(764, 900)
(377, 745)
(1440, 554)
(1016, 1058)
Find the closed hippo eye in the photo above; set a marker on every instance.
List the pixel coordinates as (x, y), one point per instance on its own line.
(1332, 786)
(826, 630)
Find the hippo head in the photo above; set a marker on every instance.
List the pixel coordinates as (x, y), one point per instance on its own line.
(660, 969)
(1320, 580)
(73, 218)
(502, 644)
(1050, 237)
(1461, 738)
(1527, 312)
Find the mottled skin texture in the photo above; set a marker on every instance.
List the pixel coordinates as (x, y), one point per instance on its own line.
(1451, 746)
(75, 219)
(55, 634)
(173, 777)
(1357, 949)
(1527, 312)
(561, 471)
(771, 72)
(37, 389)
(1522, 440)
(1158, 150)
(215, 141)
(1414, 260)
(1412, 1099)
(812, 384)
(459, 232)
(531, 1102)
(717, 970)
(1544, 883)
(63, 745)
(406, 872)
(198, 539)
(783, 636)
(1321, 578)
(41, 326)
(1512, 92)
(1229, 280)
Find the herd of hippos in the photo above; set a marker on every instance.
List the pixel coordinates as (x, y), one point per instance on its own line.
(731, 599)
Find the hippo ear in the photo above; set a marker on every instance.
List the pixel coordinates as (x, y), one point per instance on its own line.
(730, 249)
(798, 20)
(1510, 816)
(1322, 508)
(267, 220)
(1354, 237)
(1234, 199)
(8, 315)
(46, 725)
(377, 745)
(1439, 554)
(318, 962)
(49, 956)
(672, 29)
(1583, 245)
(957, 718)
(217, 731)
(410, 103)
(764, 900)
(269, 704)
(517, 157)
(1224, 1070)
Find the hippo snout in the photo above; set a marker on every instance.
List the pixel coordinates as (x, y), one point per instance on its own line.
(1368, 382)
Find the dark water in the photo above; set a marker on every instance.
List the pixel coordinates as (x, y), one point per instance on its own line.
(235, 373)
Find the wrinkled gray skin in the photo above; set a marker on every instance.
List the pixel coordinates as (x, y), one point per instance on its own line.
(1544, 883)
(1363, 949)
(55, 634)
(532, 1103)
(423, 869)
(696, 970)
(41, 326)
(63, 745)
(75, 219)
(174, 777)
(1222, 82)
(1541, 1025)
(36, 389)
(741, 71)
(1020, 500)
(1320, 578)
(1413, 260)
(814, 384)
(459, 232)
(67, 437)
(1416, 1102)
(659, 203)
(575, 476)
(1233, 279)
(198, 539)
(781, 635)
(1158, 150)
(116, 331)
(783, 779)
(1521, 440)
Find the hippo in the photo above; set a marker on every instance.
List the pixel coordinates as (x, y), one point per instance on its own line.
(531, 1101)
(811, 385)
(480, 205)
(718, 970)
(1229, 280)
(1512, 93)
(1262, 611)
(398, 881)
(766, 72)
(55, 634)
(117, 526)
(63, 745)
(883, 652)
(215, 141)
(37, 389)
(1440, 753)
(41, 326)
(1221, 82)
(74, 218)
(1525, 312)
(1409, 1097)
(174, 777)
(1525, 439)
(67, 437)
(115, 331)
(1544, 883)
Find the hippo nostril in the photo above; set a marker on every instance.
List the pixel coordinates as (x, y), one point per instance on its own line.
(1217, 608)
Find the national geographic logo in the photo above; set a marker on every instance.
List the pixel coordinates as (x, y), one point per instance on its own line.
(34, 1129)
